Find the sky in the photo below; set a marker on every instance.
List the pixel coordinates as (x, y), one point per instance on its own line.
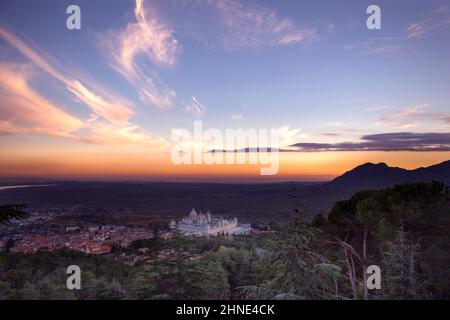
(101, 102)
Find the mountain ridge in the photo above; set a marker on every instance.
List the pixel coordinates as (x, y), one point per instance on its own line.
(379, 175)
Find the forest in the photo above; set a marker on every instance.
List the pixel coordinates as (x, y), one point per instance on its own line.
(402, 229)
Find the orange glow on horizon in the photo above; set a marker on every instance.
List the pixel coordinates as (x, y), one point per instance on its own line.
(141, 166)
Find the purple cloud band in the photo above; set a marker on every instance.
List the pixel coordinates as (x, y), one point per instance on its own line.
(401, 141)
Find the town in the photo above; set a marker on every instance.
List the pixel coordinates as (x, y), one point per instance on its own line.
(41, 232)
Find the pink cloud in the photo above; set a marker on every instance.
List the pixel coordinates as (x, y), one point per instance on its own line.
(149, 37)
(414, 117)
(25, 111)
(100, 101)
(121, 134)
(101, 105)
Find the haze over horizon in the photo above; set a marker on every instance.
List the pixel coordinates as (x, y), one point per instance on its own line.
(17, 181)
(100, 103)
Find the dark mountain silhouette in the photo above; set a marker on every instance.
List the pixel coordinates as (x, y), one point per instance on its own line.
(366, 177)
(380, 175)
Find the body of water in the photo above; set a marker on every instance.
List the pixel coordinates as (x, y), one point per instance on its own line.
(25, 186)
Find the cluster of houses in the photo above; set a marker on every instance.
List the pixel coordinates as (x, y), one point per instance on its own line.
(91, 240)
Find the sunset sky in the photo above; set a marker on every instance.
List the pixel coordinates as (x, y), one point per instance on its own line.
(101, 102)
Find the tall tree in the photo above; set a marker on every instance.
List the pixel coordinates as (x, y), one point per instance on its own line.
(301, 272)
(400, 260)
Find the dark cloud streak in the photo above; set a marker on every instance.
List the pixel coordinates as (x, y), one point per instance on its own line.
(400, 141)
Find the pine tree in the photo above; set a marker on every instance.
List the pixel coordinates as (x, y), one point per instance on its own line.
(215, 281)
(144, 283)
(402, 280)
(301, 272)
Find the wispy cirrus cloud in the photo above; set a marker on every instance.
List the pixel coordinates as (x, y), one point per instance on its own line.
(125, 133)
(195, 107)
(398, 141)
(146, 37)
(439, 19)
(113, 110)
(402, 119)
(101, 102)
(24, 110)
(251, 25)
(414, 117)
(244, 24)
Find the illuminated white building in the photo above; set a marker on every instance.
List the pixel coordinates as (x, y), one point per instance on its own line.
(205, 224)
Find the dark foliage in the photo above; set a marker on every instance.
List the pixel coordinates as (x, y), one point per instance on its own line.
(12, 211)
